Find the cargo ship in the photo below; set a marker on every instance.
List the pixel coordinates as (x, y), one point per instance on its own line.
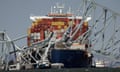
(64, 41)
(58, 40)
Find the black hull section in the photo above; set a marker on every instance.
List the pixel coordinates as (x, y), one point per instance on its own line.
(70, 58)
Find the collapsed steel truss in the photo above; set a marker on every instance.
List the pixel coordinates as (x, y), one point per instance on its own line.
(103, 33)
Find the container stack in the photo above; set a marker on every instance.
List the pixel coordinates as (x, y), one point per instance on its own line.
(42, 26)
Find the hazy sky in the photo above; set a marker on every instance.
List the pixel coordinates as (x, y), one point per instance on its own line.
(14, 14)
